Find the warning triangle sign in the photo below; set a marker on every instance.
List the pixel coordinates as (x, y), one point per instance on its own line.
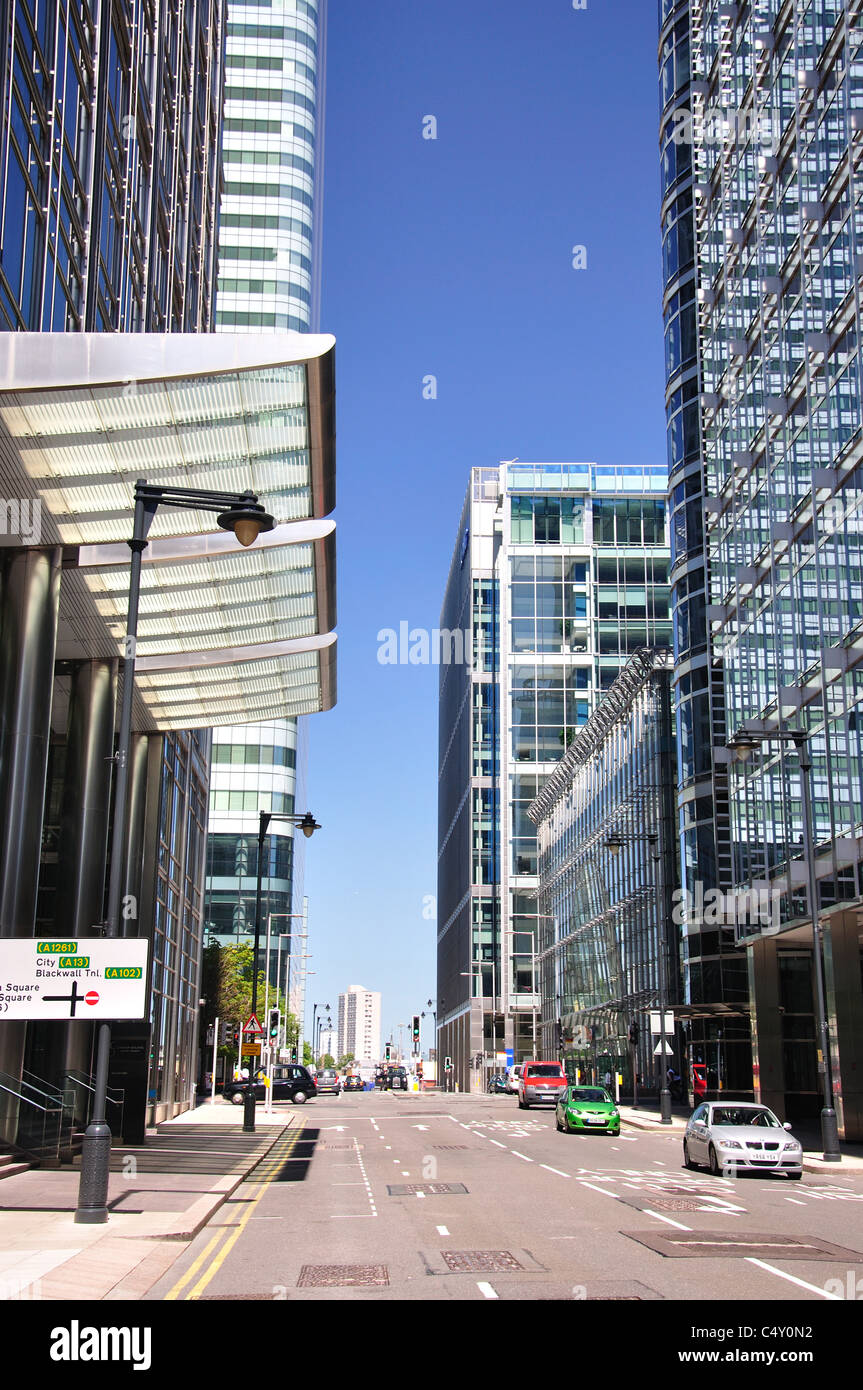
(252, 1025)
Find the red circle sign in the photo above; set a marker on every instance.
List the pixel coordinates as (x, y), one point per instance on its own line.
(91, 998)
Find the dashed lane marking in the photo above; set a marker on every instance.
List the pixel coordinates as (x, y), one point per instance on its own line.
(487, 1291)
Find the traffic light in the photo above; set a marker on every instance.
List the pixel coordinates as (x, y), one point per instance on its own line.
(387, 1052)
(447, 1064)
(633, 1034)
(295, 1055)
(275, 1021)
(415, 1031)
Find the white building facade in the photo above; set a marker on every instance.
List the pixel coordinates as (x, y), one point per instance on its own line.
(360, 1023)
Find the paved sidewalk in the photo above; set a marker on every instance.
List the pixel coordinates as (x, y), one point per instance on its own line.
(647, 1117)
(159, 1197)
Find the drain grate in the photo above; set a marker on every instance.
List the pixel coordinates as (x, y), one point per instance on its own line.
(450, 1147)
(343, 1277)
(341, 1148)
(480, 1261)
(428, 1189)
(680, 1204)
(719, 1244)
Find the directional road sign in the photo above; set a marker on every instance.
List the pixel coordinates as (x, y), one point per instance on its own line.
(86, 978)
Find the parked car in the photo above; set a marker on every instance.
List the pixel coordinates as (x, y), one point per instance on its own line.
(540, 1083)
(512, 1075)
(587, 1107)
(329, 1082)
(293, 1082)
(699, 1081)
(740, 1134)
(497, 1084)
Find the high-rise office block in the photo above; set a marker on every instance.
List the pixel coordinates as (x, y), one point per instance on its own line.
(359, 1024)
(560, 571)
(269, 281)
(775, 125)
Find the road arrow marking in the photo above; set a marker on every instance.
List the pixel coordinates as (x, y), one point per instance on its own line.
(419, 1126)
(338, 1127)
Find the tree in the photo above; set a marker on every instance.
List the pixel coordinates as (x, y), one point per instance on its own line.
(308, 1059)
(347, 1059)
(227, 988)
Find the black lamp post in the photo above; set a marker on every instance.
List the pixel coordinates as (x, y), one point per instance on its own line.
(308, 825)
(244, 515)
(742, 745)
(615, 844)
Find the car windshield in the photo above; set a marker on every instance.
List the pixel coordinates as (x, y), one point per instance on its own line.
(543, 1071)
(731, 1115)
(588, 1093)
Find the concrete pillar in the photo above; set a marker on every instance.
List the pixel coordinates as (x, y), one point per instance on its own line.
(28, 638)
(767, 1061)
(844, 984)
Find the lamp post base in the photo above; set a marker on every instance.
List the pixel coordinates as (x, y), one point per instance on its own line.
(93, 1187)
(830, 1137)
(665, 1106)
(249, 1111)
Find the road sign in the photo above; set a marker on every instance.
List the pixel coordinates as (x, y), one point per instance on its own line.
(669, 1024)
(251, 1049)
(52, 979)
(252, 1026)
(657, 1051)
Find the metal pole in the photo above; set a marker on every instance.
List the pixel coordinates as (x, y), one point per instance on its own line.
(664, 1093)
(829, 1126)
(215, 1059)
(249, 1098)
(96, 1148)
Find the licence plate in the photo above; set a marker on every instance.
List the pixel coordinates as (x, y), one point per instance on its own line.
(596, 1120)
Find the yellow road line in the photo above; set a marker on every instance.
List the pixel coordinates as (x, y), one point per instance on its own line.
(274, 1163)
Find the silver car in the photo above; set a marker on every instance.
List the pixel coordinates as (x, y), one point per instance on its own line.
(729, 1135)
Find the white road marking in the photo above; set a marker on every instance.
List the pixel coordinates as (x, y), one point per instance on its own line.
(813, 1288)
(604, 1190)
(442, 1230)
(554, 1170)
(795, 1201)
(353, 1216)
(419, 1194)
(486, 1290)
(405, 1173)
(660, 1217)
(498, 1143)
(518, 1155)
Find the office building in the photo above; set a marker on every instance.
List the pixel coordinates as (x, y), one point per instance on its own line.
(608, 880)
(269, 281)
(114, 144)
(359, 1026)
(775, 116)
(560, 571)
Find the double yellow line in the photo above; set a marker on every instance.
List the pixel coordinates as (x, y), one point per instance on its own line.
(270, 1168)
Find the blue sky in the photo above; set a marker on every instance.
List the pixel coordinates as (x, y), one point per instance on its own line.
(453, 258)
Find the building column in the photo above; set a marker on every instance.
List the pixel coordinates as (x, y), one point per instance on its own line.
(28, 638)
(844, 980)
(767, 1061)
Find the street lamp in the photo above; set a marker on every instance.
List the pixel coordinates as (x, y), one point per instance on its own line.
(243, 514)
(614, 843)
(742, 745)
(308, 825)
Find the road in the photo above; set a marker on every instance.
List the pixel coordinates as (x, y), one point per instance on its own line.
(382, 1196)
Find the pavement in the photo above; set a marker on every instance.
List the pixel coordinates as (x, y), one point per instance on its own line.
(159, 1197)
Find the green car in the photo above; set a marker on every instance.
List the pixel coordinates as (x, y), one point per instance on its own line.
(587, 1107)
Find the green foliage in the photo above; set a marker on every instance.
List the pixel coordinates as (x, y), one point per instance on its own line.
(227, 988)
(308, 1059)
(347, 1059)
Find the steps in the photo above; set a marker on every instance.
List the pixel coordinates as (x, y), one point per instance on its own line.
(10, 1164)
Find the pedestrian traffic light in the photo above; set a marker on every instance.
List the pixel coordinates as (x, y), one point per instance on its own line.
(415, 1030)
(275, 1021)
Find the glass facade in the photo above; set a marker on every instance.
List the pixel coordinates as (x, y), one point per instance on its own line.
(604, 914)
(269, 281)
(775, 125)
(561, 571)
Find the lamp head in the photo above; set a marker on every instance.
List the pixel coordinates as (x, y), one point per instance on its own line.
(309, 825)
(247, 520)
(743, 745)
(614, 844)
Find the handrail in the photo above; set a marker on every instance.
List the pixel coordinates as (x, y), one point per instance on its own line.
(36, 1134)
(78, 1079)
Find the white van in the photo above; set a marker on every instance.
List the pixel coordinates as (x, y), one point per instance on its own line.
(512, 1076)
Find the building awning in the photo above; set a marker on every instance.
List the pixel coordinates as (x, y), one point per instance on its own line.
(226, 635)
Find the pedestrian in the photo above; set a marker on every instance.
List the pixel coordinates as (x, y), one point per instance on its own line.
(607, 1079)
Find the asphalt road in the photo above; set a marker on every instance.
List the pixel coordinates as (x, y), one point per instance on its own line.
(496, 1205)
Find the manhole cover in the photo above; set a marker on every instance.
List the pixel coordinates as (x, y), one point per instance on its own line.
(480, 1261)
(343, 1276)
(449, 1147)
(678, 1204)
(341, 1148)
(428, 1189)
(719, 1244)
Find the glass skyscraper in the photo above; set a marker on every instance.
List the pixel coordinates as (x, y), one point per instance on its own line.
(559, 572)
(772, 132)
(269, 281)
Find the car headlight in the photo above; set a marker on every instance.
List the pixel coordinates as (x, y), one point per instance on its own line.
(792, 1145)
(573, 1111)
(729, 1144)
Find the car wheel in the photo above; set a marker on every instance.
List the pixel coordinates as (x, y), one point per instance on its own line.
(237, 1098)
(521, 1105)
(687, 1161)
(299, 1098)
(715, 1166)
(795, 1177)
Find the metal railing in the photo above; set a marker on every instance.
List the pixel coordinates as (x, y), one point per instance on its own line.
(82, 1087)
(30, 1120)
